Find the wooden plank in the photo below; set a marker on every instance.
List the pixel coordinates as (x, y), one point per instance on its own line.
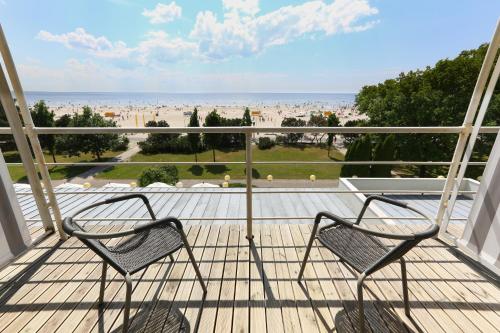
(24, 261)
(145, 291)
(307, 316)
(452, 288)
(28, 292)
(426, 296)
(242, 292)
(226, 298)
(288, 303)
(194, 305)
(274, 314)
(43, 293)
(72, 291)
(106, 319)
(257, 296)
(325, 311)
(208, 316)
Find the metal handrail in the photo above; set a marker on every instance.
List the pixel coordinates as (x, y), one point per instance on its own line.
(249, 132)
(235, 190)
(443, 163)
(262, 218)
(244, 129)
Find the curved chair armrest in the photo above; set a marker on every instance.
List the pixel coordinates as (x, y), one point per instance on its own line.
(381, 234)
(117, 199)
(429, 232)
(332, 217)
(379, 198)
(143, 227)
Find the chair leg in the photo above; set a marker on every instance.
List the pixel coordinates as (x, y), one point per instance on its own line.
(171, 258)
(103, 282)
(193, 261)
(361, 307)
(128, 296)
(308, 250)
(405, 287)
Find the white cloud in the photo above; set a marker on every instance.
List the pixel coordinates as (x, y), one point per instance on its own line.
(244, 6)
(160, 47)
(80, 39)
(240, 33)
(163, 13)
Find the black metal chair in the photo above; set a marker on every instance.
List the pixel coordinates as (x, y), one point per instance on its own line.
(144, 245)
(362, 249)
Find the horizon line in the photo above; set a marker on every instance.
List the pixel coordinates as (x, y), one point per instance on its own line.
(192, 92)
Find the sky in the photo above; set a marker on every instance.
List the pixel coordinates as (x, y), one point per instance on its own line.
(235, 45)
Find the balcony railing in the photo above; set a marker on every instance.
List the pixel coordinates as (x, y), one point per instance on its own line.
(249, 162)
(467, 135)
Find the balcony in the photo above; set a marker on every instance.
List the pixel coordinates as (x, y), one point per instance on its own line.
(252, 286)
(249, 243)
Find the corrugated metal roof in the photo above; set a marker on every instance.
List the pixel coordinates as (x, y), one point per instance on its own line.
(229, 208)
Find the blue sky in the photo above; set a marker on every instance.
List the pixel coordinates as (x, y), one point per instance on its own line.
(235, 45)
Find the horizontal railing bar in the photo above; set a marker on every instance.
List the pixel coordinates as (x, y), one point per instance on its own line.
(256, 191)
(336, 130)
(205, 218)
(241, 163)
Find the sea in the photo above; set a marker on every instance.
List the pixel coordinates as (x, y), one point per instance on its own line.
(55, 99)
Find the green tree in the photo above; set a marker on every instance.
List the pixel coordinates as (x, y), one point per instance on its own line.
(157, 142)
(435, 96)
(384, 151)
(63, 121)
(96, 144)
(42, 117)
(194, 138)
(247, 119)
(166, 174)
(359, 150)
(332, 121)
(317, 120)
(349, 138)
(6, 140)
(212, 140)
(293, 138)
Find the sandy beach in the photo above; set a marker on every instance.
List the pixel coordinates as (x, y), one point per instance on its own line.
(178, 115)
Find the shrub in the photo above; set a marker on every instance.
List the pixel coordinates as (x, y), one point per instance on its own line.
(265, 143)
(179, 145)
(122, 144)
(384, 151)
(166, 174)
(359, 150)
(293, 138)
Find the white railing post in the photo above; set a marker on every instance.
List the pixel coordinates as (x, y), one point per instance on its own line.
(32, 135)
(248, 170)
(24, 151)
(452, 183)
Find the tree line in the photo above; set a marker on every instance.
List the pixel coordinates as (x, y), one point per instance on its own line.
(193, 143)
(434, 96)
(69, 144)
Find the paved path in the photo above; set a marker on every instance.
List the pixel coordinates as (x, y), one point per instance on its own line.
(88, 176)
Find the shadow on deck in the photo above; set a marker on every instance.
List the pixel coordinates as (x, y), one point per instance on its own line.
(251, 288)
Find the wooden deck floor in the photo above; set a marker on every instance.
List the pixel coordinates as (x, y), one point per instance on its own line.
(54, 288)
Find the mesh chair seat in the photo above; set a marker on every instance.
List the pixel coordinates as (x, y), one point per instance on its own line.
(145, 247)
(357, 249)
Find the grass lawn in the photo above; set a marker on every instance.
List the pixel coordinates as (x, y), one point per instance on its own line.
(56, 172)
(278, 153)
